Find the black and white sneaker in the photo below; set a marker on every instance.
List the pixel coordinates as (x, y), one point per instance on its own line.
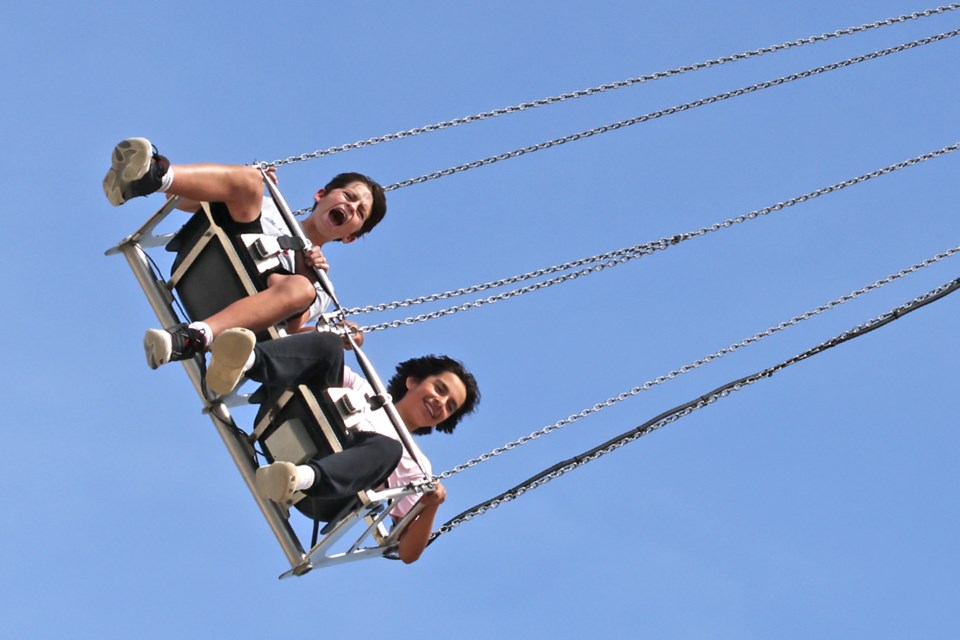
(137, 169)
(162, 346)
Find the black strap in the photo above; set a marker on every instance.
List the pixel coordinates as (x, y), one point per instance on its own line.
(289, 242)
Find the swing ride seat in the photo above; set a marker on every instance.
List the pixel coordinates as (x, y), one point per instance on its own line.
(211, 270)
(299, 426)
(208, 273)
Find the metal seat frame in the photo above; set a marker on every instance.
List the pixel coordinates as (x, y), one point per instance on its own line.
(375, 540)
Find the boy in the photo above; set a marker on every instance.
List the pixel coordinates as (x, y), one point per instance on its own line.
(346, 208)
(428, 392)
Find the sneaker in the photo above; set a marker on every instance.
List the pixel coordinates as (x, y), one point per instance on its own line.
(278, 482)
(162, 346)
(137, 170)
(228, 357)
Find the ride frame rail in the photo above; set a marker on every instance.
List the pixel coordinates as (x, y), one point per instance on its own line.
(374, 505)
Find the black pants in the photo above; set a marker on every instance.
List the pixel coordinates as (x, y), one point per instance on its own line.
(315, 359)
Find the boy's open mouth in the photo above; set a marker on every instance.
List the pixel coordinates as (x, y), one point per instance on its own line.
(337, 216)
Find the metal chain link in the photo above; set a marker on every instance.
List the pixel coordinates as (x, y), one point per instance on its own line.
(611, 86)
(476, 304)
(409, 302)
(621, 256)
(700, 403)
(609, 402)
(664, 112)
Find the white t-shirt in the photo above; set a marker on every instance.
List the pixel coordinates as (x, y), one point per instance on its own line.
(273, 224)
(407, 470)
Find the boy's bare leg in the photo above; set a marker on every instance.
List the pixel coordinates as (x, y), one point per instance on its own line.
(285, 296)
(137, 169)
(190, 205)
(240, 188)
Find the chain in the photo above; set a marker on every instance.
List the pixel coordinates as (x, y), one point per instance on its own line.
(611, 86)
(665, 112)
(683, 410)
(476, 304)
(609, 402)
(409, 302)
(621, 256)
(659, 114)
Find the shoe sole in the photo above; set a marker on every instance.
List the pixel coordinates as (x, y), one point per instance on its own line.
(157, 346)
(228, 355)
(277, 482)
(131, 161)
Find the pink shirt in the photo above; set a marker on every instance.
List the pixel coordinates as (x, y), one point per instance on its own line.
(407, 469)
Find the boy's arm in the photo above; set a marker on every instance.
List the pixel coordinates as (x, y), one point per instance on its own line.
(415, 538)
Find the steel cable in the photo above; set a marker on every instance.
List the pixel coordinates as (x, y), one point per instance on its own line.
(609, 402)
(683, 410)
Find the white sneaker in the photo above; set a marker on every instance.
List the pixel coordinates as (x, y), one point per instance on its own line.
(278, 482)
(228, 356)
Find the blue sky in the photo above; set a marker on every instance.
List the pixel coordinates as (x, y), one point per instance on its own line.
(819, 503)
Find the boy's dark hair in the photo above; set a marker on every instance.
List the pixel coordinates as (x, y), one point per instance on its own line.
(379, 208)
(426, 366)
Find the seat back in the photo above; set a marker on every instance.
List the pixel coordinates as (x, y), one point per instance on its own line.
(209, 273)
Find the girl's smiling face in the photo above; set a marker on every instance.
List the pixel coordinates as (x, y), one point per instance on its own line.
(430, 401)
